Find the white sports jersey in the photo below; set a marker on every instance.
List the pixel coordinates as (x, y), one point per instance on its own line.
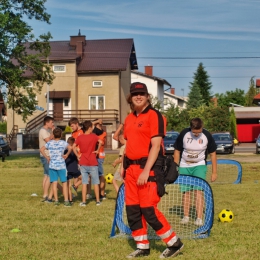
(194, 150)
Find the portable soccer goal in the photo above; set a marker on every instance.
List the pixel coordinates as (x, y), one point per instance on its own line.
(229, 171)
(172, 206)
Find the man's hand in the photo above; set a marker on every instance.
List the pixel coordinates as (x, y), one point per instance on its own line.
(48, 159)
(114, 164)
(143, 177)
(65, 156)
(96, 152)
(213, 176)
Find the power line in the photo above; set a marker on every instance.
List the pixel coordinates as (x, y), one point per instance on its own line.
(199, 58)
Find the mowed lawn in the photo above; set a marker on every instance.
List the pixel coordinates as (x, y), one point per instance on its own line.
(49, 232)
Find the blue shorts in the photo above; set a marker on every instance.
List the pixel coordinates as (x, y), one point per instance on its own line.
(45, 165)
(56, 174)
(71, 175)
(87, 171)
(100, 167)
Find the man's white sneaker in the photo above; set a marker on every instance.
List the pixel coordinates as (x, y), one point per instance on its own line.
(198, 222)
(185, 220)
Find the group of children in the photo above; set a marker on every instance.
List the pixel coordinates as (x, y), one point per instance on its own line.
(79, 161)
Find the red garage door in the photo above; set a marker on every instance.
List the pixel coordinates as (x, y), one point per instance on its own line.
(248, 132)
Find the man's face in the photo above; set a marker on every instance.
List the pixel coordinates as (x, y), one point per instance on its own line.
(196, 132)
(74, 127)
(140, 100)
(50, 124)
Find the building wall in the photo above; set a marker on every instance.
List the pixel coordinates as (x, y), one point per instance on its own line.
(63, 81)
(109, 89)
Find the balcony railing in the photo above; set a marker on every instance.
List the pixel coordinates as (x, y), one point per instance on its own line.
(65, 115)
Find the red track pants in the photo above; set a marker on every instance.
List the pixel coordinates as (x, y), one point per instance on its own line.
(141, 207)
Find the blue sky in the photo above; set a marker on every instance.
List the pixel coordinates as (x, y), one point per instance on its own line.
(171, 29)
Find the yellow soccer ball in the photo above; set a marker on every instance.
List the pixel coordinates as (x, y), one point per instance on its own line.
(109, 178)
(226, 215)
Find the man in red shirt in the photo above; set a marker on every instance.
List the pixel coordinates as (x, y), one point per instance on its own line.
(143, 132)
(87, 160)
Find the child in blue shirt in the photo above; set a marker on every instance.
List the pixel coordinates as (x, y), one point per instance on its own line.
(57, 166)
(72, 166)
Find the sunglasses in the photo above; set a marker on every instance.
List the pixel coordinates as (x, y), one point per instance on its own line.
(138, 94)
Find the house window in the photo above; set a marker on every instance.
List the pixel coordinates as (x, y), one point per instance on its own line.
(30, 85)
(97, 84)
(96, 102)
(59, 68)
(66, 102)
(165, 101)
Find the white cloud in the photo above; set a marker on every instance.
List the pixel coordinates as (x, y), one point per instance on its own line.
(191, 16)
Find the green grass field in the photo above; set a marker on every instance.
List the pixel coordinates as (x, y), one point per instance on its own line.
(49, 232)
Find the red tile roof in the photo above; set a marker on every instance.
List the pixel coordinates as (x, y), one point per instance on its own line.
(98, 55)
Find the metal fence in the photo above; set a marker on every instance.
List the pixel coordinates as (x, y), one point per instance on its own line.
(31, 141)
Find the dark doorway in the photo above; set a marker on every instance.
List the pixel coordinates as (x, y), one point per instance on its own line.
(58, 109)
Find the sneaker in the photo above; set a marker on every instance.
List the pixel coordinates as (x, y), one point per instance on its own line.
(82, 204)
(103, 197)
(185, 220)
(48, 201)
(44, 199)
(89, 196)
(172, 251)
(56, 203)
(198, 222)
(98, 203)
(139, 252)
(67, 204)
(71, 202)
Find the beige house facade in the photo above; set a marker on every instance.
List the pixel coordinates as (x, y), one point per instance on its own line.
(92, 80)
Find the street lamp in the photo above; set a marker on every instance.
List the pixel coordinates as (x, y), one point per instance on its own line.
(182, 92)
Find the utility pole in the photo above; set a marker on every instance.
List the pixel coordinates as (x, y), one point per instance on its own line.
(48, 90)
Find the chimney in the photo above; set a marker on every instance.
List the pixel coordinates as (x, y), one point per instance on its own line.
(172, 91)
(78, 42)
(148, 70)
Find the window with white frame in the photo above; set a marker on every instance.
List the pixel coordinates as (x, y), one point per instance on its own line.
(30, 85)
(97, 84)
(96, 102)
(59, 68)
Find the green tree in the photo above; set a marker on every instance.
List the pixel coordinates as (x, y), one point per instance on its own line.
(156, 103)
(237, 97)
(22, 56)
(233, 123)
(201, 77)
(217, 119)
(195, 98)
(172, 116)
(251, 93)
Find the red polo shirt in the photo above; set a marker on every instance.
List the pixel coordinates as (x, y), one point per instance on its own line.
(138, 131)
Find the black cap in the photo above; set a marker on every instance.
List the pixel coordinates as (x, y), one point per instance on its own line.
(138, 87)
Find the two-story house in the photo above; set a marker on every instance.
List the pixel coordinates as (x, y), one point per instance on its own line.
(171, 99)
(92, 80)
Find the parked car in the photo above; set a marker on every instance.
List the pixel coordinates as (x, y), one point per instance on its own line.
(169, 141)
(4, 147)
(257, 144)
(224, 142)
